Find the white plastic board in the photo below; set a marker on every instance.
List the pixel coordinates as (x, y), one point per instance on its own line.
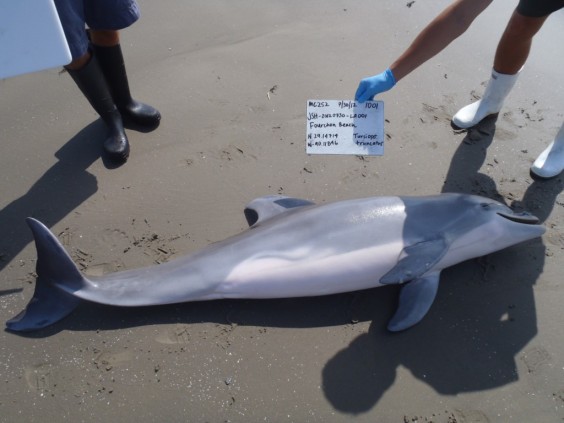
(31, 37)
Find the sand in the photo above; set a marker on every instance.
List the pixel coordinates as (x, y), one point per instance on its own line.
(231, 80)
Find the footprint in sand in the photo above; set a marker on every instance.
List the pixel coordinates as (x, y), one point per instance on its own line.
(174, 336)
(107, 360)
(41, 377)
(534, 358)
(471, 416)
(556, 238)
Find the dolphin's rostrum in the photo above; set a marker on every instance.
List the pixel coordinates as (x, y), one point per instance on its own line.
(295, 249)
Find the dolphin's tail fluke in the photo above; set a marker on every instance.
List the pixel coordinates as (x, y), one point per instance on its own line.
(57, 275)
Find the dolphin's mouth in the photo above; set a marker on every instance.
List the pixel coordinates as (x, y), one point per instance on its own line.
(524, 217)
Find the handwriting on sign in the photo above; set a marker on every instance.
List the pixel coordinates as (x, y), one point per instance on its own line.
(345, 127)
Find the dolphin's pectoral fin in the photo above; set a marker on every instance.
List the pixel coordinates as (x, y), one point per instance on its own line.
(415, 261)
(264, 208)
(415, 300)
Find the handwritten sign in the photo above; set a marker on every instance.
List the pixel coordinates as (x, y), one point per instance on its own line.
(345, 127)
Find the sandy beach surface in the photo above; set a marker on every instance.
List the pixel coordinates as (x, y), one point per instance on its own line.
(231, 80)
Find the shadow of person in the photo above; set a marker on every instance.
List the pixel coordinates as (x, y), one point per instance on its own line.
(482, 318)
(464, 174)
(55, 194)
(540, 196)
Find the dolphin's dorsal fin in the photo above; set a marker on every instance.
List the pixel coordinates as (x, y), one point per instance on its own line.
(416, 298)
(264, 208)
(415, 260)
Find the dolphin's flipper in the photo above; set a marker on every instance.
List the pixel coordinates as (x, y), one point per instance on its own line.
(48, 305)
(416, 260)
(264, 208)
(416, 298)
(55, 270)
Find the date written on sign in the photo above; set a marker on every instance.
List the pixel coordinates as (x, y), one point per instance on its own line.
(345, 127)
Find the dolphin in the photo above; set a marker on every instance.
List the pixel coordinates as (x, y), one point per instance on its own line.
(294, 248)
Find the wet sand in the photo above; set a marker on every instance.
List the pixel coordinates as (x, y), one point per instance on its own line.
(231, 81)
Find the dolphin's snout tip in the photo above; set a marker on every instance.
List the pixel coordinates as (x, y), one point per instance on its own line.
(523, 217)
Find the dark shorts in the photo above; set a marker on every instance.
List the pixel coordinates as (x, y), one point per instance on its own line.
(538, 8)
(75, 15)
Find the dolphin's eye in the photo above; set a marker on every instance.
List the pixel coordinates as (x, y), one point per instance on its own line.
(485, 205)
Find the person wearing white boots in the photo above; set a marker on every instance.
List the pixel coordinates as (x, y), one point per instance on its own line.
(511, 54)
(550, 163)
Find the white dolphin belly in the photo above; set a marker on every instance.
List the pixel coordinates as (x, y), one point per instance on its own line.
(275, 277)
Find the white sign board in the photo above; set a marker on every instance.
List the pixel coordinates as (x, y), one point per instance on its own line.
(31, 37)
(345, 127)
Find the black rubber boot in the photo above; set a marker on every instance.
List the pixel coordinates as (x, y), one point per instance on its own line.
(135, 114)
(93, 85)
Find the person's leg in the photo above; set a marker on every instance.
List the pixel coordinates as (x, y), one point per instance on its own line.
(79, 62)
(515, 43)
(550, 162)
(104, 38)
(107, 49)
(90, 80)
(86, 73)
(511, 54)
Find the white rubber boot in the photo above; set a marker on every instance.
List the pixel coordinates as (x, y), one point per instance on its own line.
(550, 163)
(498, 88)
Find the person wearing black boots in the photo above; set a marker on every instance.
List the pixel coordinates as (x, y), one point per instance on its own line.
(98, 67)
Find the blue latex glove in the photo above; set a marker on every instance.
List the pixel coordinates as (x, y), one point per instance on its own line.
(373, 85)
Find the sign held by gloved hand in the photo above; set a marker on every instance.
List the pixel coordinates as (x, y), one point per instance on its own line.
(345, 127)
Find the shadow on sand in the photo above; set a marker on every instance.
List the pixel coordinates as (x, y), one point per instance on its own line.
(482, 318)
(56, 194)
